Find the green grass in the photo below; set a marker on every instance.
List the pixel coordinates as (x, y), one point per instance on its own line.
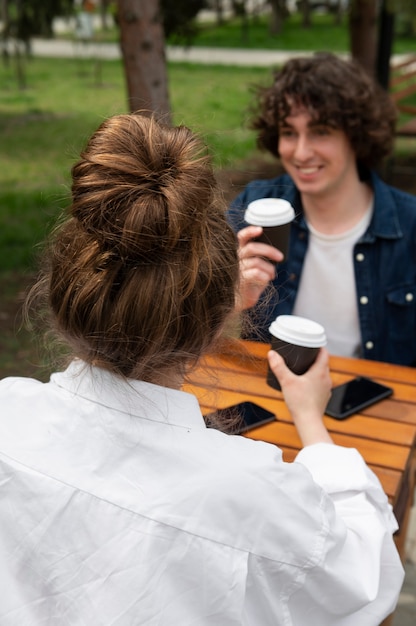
(43, 128)
(41, 131)
(324, 34)
(213, 101)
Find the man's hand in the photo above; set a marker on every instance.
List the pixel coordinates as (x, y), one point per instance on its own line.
(257, 265)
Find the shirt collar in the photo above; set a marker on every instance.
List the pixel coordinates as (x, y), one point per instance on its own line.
(132, 397)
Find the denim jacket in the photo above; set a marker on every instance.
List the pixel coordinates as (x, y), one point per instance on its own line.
(384, 265)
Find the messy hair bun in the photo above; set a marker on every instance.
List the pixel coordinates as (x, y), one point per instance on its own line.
(143, 273)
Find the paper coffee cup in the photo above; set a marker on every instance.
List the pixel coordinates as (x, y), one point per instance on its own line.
(298, 340)
(275, 216)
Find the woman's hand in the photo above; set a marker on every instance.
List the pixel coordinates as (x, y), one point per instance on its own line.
(256, 271)
(306, 396)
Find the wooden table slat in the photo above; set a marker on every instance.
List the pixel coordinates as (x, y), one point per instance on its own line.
(361, 425)
(213, 368)
(376, 452)
(255, 351)
(397, 428)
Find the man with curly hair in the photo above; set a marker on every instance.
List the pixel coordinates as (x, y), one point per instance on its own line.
(352, 257)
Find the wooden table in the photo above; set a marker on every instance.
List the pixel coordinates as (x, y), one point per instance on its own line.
(384, 433)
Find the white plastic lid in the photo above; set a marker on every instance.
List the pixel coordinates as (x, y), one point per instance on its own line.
(299, 331)
(269, 212)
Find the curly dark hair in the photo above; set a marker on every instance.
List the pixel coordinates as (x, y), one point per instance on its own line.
(337, 93)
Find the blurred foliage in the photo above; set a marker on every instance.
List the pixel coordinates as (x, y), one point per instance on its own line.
(27, 18)
(179, 17)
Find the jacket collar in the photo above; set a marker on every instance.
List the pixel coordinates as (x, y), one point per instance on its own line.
(385, 221)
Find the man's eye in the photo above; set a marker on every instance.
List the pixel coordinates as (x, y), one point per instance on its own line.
(322, 130)
(286, 132)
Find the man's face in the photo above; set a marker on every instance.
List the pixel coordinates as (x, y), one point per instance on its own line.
(319, 158)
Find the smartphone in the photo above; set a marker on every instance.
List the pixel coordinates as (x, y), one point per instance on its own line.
(248, 415)
(354, 395)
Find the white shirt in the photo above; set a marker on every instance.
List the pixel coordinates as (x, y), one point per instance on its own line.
(118, 507)
(327, 293)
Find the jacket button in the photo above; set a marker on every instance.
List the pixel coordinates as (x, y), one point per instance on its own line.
(359, 256)
(369, 345)
(292, 277)
(409, 297)
(364, 300)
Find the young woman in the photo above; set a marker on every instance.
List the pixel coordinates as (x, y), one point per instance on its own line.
(118, 505)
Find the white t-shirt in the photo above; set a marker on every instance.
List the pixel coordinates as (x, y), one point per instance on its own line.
(327, 292)
(119, 507)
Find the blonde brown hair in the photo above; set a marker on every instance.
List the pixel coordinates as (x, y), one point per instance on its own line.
(142, 275)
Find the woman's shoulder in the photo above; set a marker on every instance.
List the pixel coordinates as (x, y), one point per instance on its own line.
(255, 493)
(17, 385)
(254, 468)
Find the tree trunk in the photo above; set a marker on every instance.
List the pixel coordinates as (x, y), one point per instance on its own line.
(4, 11)
(104, 13)
(338, 13)
(363, 33)
(4, 17)
(143, 50)
(219, 12)
(240, 10)
(385, 44)
(305, 10)
(278, 14)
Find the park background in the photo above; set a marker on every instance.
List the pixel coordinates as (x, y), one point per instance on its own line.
(49, 105)
(51, 101)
